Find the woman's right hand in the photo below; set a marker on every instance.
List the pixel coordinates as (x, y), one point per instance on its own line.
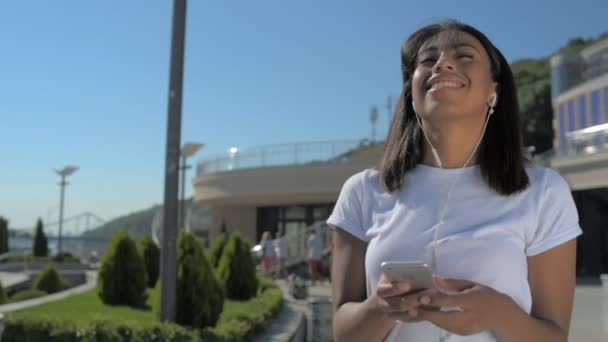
(396, 300)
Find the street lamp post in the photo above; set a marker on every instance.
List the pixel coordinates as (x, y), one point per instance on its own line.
(168, 267)
(188, 150)
(66, 171)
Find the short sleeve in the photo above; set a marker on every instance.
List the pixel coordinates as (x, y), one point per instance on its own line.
(557, 220)
(348, 212)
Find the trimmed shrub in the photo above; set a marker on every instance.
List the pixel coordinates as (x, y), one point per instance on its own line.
(39, 330)
(236, 270)
(49, 280)
(242, 326)
(3, 298)
(235, 326)
(122, 274)
(66, 257)
(200, 298)
(150, 253)
(216, 249)
(41, 247)
(27, 294)
(3, 235)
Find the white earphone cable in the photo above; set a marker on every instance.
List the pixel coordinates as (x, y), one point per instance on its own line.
(443, 336)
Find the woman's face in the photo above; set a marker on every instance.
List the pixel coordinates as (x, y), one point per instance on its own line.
(452, 80)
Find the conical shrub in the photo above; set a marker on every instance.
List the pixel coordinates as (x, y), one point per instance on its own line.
(200, 298)
(122, 275)
(49, 280)
(150, 253)
(236, 270)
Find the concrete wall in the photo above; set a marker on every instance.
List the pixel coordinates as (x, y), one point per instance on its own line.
(585, 171)
(297, 184)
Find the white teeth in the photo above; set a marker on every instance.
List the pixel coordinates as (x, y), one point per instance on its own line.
(446, 84)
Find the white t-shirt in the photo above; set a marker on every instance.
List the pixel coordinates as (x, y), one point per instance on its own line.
(485, 238)
(268, 246)
(280, 246)
(314, 247)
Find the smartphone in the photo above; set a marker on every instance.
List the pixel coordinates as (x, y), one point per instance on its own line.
(418, 274)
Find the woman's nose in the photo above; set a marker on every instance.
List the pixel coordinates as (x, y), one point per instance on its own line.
(443, 63)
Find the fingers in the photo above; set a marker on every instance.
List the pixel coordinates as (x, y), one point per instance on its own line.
(386, 290)
(453, 284)
(441, 300)
(405, 304)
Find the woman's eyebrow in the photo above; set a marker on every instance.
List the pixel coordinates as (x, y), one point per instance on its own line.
(454, 46)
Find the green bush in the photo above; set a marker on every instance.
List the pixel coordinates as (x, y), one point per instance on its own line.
(3, 235)
(236, 270)
(216, 249)
(122, 274)
(26, 294)
(49, 280)
(234, 326)
(41, 247)
(66, 257)
(37, 330)
(200, 298)
(3, 298)
(242, 326)
(150, 253)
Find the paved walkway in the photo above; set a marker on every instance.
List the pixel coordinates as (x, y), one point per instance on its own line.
(590, 314)
(9, 279)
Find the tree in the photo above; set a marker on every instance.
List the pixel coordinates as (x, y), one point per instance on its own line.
(3, 235)
(49, 281)
(216, 249)
(41, 247)
(3, 297)
(236, 270)
(200, 298)
(122, 275)
(150, 253)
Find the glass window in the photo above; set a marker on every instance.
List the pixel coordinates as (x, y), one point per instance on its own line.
(595, 108)
(605, 105)
(295, 213)
(562, 123)
(582, 111)
(571, 121)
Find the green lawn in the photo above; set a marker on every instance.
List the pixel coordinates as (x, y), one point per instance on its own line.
(84, 308)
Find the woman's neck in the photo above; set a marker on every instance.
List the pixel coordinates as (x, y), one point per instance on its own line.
(454, 142)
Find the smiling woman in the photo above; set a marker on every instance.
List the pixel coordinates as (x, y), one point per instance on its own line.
(454, 191)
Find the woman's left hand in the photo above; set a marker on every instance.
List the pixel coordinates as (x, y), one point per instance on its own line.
(480, 307)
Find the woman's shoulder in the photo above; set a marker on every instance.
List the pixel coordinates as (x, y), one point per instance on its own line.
(364, 179)
(542, 177)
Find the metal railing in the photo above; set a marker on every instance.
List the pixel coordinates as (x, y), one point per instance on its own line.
(585, 141)
(281, 155)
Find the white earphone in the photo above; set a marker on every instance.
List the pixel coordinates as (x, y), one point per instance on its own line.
(438, 161)
(493, 104)
(444, 334)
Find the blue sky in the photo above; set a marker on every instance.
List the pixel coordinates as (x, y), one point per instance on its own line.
(85, 82)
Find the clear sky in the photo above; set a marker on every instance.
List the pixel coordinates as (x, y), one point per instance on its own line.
(85, 82)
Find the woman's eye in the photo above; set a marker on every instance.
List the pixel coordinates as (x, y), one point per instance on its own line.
(428, 60)
(466, 57)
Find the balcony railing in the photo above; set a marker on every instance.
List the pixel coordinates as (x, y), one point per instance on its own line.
(586, 141)
(281, 155)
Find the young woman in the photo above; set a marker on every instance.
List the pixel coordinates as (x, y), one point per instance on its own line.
(453, 190)
(268, 254)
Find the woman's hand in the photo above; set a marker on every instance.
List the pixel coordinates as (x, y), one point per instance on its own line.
(397, 301)
(478, 307)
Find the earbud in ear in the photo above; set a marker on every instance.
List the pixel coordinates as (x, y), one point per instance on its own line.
(494, 100)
